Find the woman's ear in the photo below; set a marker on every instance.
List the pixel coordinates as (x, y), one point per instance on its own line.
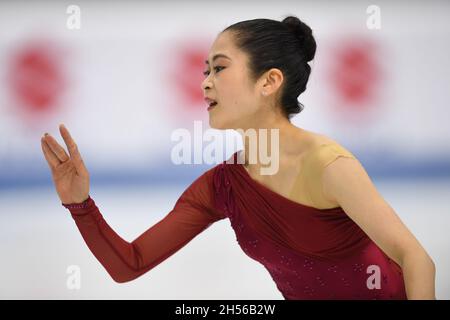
(272, 80)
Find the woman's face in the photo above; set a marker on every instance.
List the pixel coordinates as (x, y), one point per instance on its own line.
(227, 82)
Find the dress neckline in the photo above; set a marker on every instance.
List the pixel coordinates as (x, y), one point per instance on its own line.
(275, 194)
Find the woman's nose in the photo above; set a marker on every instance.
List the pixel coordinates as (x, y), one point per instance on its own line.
(205, 84)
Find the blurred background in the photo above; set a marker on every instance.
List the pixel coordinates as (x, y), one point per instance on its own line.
(123, 76)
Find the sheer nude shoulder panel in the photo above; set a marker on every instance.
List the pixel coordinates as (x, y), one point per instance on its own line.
(307, 188)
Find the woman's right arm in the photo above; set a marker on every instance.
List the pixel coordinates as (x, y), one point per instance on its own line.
(126, 261)
(123, 260)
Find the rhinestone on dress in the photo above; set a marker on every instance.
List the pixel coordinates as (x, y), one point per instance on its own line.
(286, 260)
(333, 269)
(289, 286)
(308, 264)
(345, 282)
(358, 267)
(277, 270)
(253, 242)
(320, 281)
(309, 290)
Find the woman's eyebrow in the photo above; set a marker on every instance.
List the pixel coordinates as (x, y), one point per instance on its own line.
(216, 56)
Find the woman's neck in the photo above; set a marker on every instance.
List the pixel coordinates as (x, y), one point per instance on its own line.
(268, 143)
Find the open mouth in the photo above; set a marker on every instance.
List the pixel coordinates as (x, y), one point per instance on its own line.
(212, 105)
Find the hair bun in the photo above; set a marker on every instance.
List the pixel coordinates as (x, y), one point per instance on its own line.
(304, 34)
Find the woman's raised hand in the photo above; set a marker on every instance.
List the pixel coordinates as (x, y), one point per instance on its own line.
(69, 173)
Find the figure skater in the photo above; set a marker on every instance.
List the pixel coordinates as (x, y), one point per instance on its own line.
(318, 225)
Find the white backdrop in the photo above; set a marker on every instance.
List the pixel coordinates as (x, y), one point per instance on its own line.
(131, 75)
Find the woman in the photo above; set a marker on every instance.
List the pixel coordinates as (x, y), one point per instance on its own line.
(318, 224)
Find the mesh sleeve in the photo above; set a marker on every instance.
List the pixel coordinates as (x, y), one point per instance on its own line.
(124, 261)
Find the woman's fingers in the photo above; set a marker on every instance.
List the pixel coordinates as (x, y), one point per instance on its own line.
(72, 147)
(51, 158)
(56, 148)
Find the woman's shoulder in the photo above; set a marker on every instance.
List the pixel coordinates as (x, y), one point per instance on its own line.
(323, 150)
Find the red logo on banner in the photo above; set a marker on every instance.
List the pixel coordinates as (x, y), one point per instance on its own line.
(189, 79)
(354, 74)
(35, 76)
(186, 76)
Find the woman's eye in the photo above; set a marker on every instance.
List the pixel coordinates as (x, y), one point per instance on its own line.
(206, 73)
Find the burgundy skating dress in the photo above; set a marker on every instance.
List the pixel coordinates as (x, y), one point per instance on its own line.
(310, 253)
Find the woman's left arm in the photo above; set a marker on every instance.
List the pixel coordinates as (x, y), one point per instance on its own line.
(346, 182)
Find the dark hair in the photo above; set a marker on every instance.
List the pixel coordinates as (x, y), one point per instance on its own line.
(287, 45)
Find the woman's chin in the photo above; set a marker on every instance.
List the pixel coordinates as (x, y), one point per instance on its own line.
(216, 125)
(213, 125)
